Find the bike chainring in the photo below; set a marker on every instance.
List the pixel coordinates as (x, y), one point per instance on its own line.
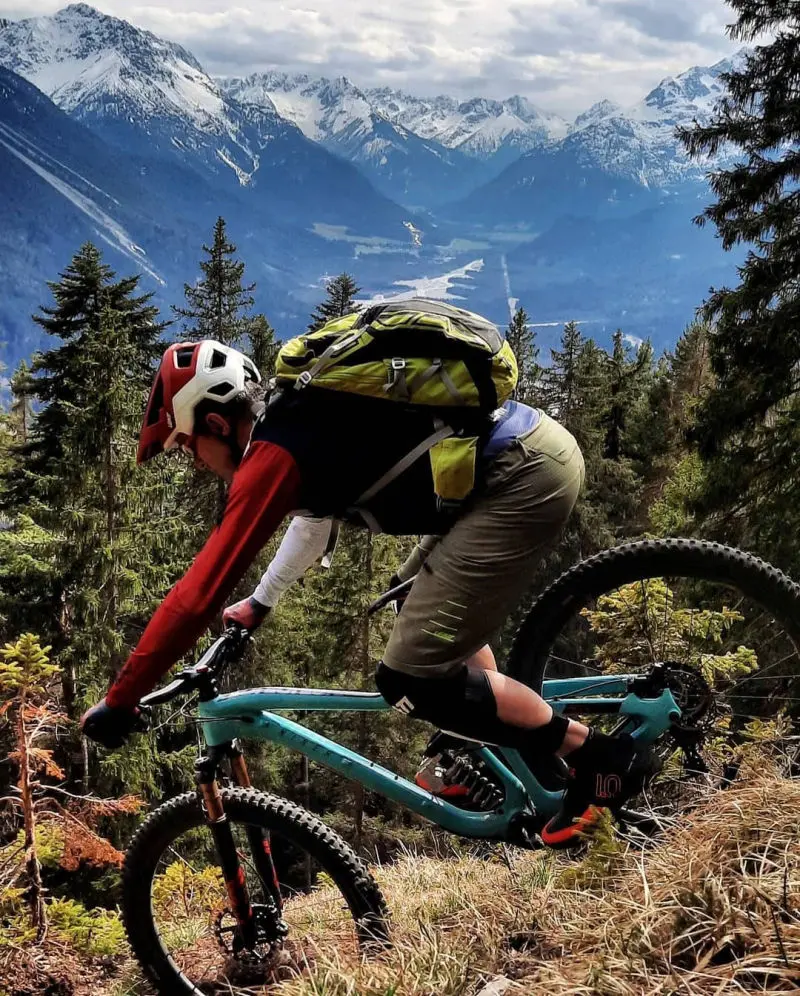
(270, 930)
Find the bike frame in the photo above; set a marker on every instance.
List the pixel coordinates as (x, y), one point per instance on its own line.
(251, 714)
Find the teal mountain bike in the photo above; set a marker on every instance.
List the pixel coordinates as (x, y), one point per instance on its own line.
(684, 644)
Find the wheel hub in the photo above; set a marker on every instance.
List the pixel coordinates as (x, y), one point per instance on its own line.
(269, 929)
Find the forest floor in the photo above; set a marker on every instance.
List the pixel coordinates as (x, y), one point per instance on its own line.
(713, 909)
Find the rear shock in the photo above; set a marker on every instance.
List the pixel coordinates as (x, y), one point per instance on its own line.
(483, 793)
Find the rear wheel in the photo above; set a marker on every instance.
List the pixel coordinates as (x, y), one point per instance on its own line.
(177, 913)
(725, 624)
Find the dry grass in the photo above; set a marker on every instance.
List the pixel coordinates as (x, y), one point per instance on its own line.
(450, 923)
(713, 910)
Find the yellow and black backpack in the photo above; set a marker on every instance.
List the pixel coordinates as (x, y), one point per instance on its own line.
(416, 352)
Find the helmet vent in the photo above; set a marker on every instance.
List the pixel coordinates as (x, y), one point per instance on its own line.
(220, 389)
(218, 359)
(183, 357)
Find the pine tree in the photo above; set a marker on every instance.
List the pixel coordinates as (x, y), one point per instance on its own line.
(217, 302)
(627, 376)
(341, 293)
(747, 426)
(22, 389)
(561, 377)
(574, 387)
(523, 343)
(88, 502)
(216, 309)
(674, 475)
(263, 345)
(85, 292)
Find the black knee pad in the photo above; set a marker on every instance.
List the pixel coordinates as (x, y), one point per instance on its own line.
(463, 703)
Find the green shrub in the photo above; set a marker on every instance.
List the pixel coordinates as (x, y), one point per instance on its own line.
(92, 932)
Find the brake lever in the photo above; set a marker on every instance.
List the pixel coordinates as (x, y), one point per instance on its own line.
(144, 719)
(225, 650)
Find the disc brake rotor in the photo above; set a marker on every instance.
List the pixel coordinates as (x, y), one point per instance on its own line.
(269, 929)
(693, 695)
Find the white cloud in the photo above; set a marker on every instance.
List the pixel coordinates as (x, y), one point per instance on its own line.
(563, 54)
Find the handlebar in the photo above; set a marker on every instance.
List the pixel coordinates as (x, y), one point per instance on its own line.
(390, 596)
(224, 651)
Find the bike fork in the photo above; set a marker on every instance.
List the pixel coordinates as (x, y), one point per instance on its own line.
(258, 839)
(225, 846)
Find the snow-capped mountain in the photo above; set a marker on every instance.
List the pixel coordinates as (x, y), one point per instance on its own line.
(152, 98)
(613, 160)
(145, 150)
(335, 113)
(602, 109)
(478, 127)
(102, 70)
(62, 185)
(639, 141)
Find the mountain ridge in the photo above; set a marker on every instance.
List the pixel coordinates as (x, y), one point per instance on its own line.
(153, 99)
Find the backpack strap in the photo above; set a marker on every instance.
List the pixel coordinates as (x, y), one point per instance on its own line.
(442, 432)
(326, 359)
(398, 386)
(454, 392)
(424, 376)
(403, 390)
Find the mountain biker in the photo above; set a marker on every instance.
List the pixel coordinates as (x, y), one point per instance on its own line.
(312, 455)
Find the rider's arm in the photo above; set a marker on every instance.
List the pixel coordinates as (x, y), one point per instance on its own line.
(265, 489)
(303, 544)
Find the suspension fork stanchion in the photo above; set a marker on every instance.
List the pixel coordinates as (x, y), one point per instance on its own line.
(257, 838)
(206, 774)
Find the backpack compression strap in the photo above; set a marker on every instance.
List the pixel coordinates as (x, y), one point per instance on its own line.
(326, 359)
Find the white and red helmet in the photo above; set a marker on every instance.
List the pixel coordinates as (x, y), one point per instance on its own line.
(189, 373)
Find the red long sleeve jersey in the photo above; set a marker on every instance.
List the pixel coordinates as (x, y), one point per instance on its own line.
(265, 489)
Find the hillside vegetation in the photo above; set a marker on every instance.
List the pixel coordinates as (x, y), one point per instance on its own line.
(713, 908)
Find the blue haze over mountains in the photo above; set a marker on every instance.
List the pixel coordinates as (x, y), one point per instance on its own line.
(111, 134)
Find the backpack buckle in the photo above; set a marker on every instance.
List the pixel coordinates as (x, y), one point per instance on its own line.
(398, 363)
(303, 380)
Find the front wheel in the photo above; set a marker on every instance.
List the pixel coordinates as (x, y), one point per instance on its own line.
(725, 624)
(176, 908)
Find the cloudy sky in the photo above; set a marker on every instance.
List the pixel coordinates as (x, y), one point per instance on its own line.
(563, 54)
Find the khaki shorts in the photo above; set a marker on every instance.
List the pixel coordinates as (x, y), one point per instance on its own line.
(470, 579)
